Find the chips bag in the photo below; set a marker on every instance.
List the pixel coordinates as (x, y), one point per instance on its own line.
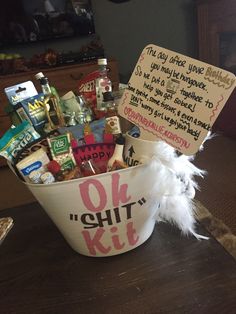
(15, 139)
(87, 88)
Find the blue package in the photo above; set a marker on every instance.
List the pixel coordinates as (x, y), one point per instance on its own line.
(134, 131)
(97, 127)
(33, 109)
(19, 92)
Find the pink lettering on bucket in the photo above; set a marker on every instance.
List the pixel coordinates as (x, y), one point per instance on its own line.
(85, 195)
(119, 193)
(109, 216)
(95, 243)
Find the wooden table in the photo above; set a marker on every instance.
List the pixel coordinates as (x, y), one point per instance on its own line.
(40, 273)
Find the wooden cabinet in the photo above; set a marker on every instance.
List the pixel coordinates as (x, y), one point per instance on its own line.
(64, 78)
(216, 30)
(215, 18)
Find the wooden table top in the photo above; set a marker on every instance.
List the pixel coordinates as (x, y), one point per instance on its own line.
(169, 273)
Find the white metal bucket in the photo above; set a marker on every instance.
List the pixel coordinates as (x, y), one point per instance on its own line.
(102, 215)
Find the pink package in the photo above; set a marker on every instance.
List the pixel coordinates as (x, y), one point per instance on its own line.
(99, 152)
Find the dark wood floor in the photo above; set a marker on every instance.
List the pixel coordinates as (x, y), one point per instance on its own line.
(169, 273)
(12, 191)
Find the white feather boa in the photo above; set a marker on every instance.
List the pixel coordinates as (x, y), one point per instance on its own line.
(174, 191)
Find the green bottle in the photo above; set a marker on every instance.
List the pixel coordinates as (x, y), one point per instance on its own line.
(39, 76)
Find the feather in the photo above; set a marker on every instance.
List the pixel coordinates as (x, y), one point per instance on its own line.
(174, 190)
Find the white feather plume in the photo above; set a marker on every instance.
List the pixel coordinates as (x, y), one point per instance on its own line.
(175, 187)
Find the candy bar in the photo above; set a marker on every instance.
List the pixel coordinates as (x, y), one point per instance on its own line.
(61, 151)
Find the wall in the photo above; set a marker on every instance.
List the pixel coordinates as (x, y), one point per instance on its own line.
(126, 28)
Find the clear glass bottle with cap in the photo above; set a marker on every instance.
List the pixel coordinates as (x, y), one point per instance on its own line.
(103, 83)
(40, 75)
(52, 107)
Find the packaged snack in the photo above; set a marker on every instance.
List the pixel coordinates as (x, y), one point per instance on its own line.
(89, 168)
(87, 87)
(61, 151)
(37, 161)
(59, 175)
(35, 145)
(17, 138)
(19, 92)
(98, 152)
(35, 177)
(72, 174)
(97, 128)
(47, 178)
(108, 136)
(88, 135)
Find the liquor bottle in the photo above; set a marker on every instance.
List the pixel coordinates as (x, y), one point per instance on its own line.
(103, 83)
(52, 106)
(118, 152)
(109, 103)
(48, 7)
(107, 108)
(40, 75)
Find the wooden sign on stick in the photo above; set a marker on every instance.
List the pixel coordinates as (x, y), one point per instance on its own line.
(175, 98)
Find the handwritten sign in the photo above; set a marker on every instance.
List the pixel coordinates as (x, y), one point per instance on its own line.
(175, 98)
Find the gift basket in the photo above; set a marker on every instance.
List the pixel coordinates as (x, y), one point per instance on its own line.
(103, 184)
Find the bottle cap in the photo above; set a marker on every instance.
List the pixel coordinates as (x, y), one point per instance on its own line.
(102, 61)
(43, 80)
(107, 96)
(120, 140)
(39, 75)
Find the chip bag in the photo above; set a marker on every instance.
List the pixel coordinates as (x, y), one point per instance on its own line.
(87, 88)
(15, 139)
